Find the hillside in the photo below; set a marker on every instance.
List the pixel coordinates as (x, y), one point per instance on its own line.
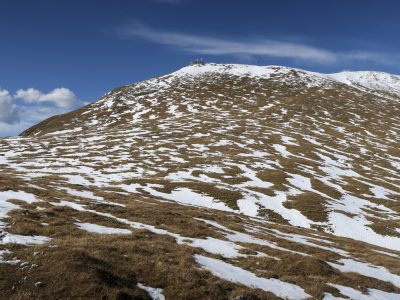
(212, 182)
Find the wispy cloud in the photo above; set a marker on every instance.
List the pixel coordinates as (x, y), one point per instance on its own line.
(251, 47)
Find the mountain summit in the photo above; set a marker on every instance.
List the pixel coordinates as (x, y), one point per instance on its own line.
(124, 103)
(212, 182)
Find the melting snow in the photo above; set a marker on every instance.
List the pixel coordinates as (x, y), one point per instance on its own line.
(373, 294)
(378, 272)
(187, 196)
(155, 294)
(5, 208)
(94, 228)
(237, 275)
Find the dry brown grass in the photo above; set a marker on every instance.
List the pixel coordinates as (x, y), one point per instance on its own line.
(309, 204)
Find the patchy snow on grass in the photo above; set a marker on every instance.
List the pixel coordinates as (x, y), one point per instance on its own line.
(378, 272)
(237, 275)
(187, 196)
(5, 208)
(305, 240)
(289, 141)
(27, 240)
(300, 182)
(69, 204)
(337, 173)
(355, 228)
(281, 149)
(248, 207)
(251, 175)
(380, 192)
(235, 236)
(19, 195)
(225, 248)
(373, 294)
(387, 253)
(211, 245)
(94, 228)
(154, 293)
(4, 261)
(91, 196)
(275, 203)
(66, 131)
(76, 179)
(187, 175)
(82, 194)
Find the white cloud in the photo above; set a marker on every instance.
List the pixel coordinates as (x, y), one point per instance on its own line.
(29, 116)
(30, 106)
(9, 112)
(251, 47)
(61, 97)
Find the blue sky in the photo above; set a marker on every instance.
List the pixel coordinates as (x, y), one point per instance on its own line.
(58, 55)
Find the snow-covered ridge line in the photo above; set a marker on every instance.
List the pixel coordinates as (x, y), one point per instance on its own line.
(373, 80)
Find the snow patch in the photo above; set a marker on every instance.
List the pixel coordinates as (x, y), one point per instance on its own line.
(94, 228)
(237, 275)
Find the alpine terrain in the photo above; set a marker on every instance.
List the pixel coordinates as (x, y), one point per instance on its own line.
(213, 182)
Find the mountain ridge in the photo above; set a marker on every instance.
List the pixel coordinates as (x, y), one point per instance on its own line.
(378, 87)
(288, 180)
(377, 79)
